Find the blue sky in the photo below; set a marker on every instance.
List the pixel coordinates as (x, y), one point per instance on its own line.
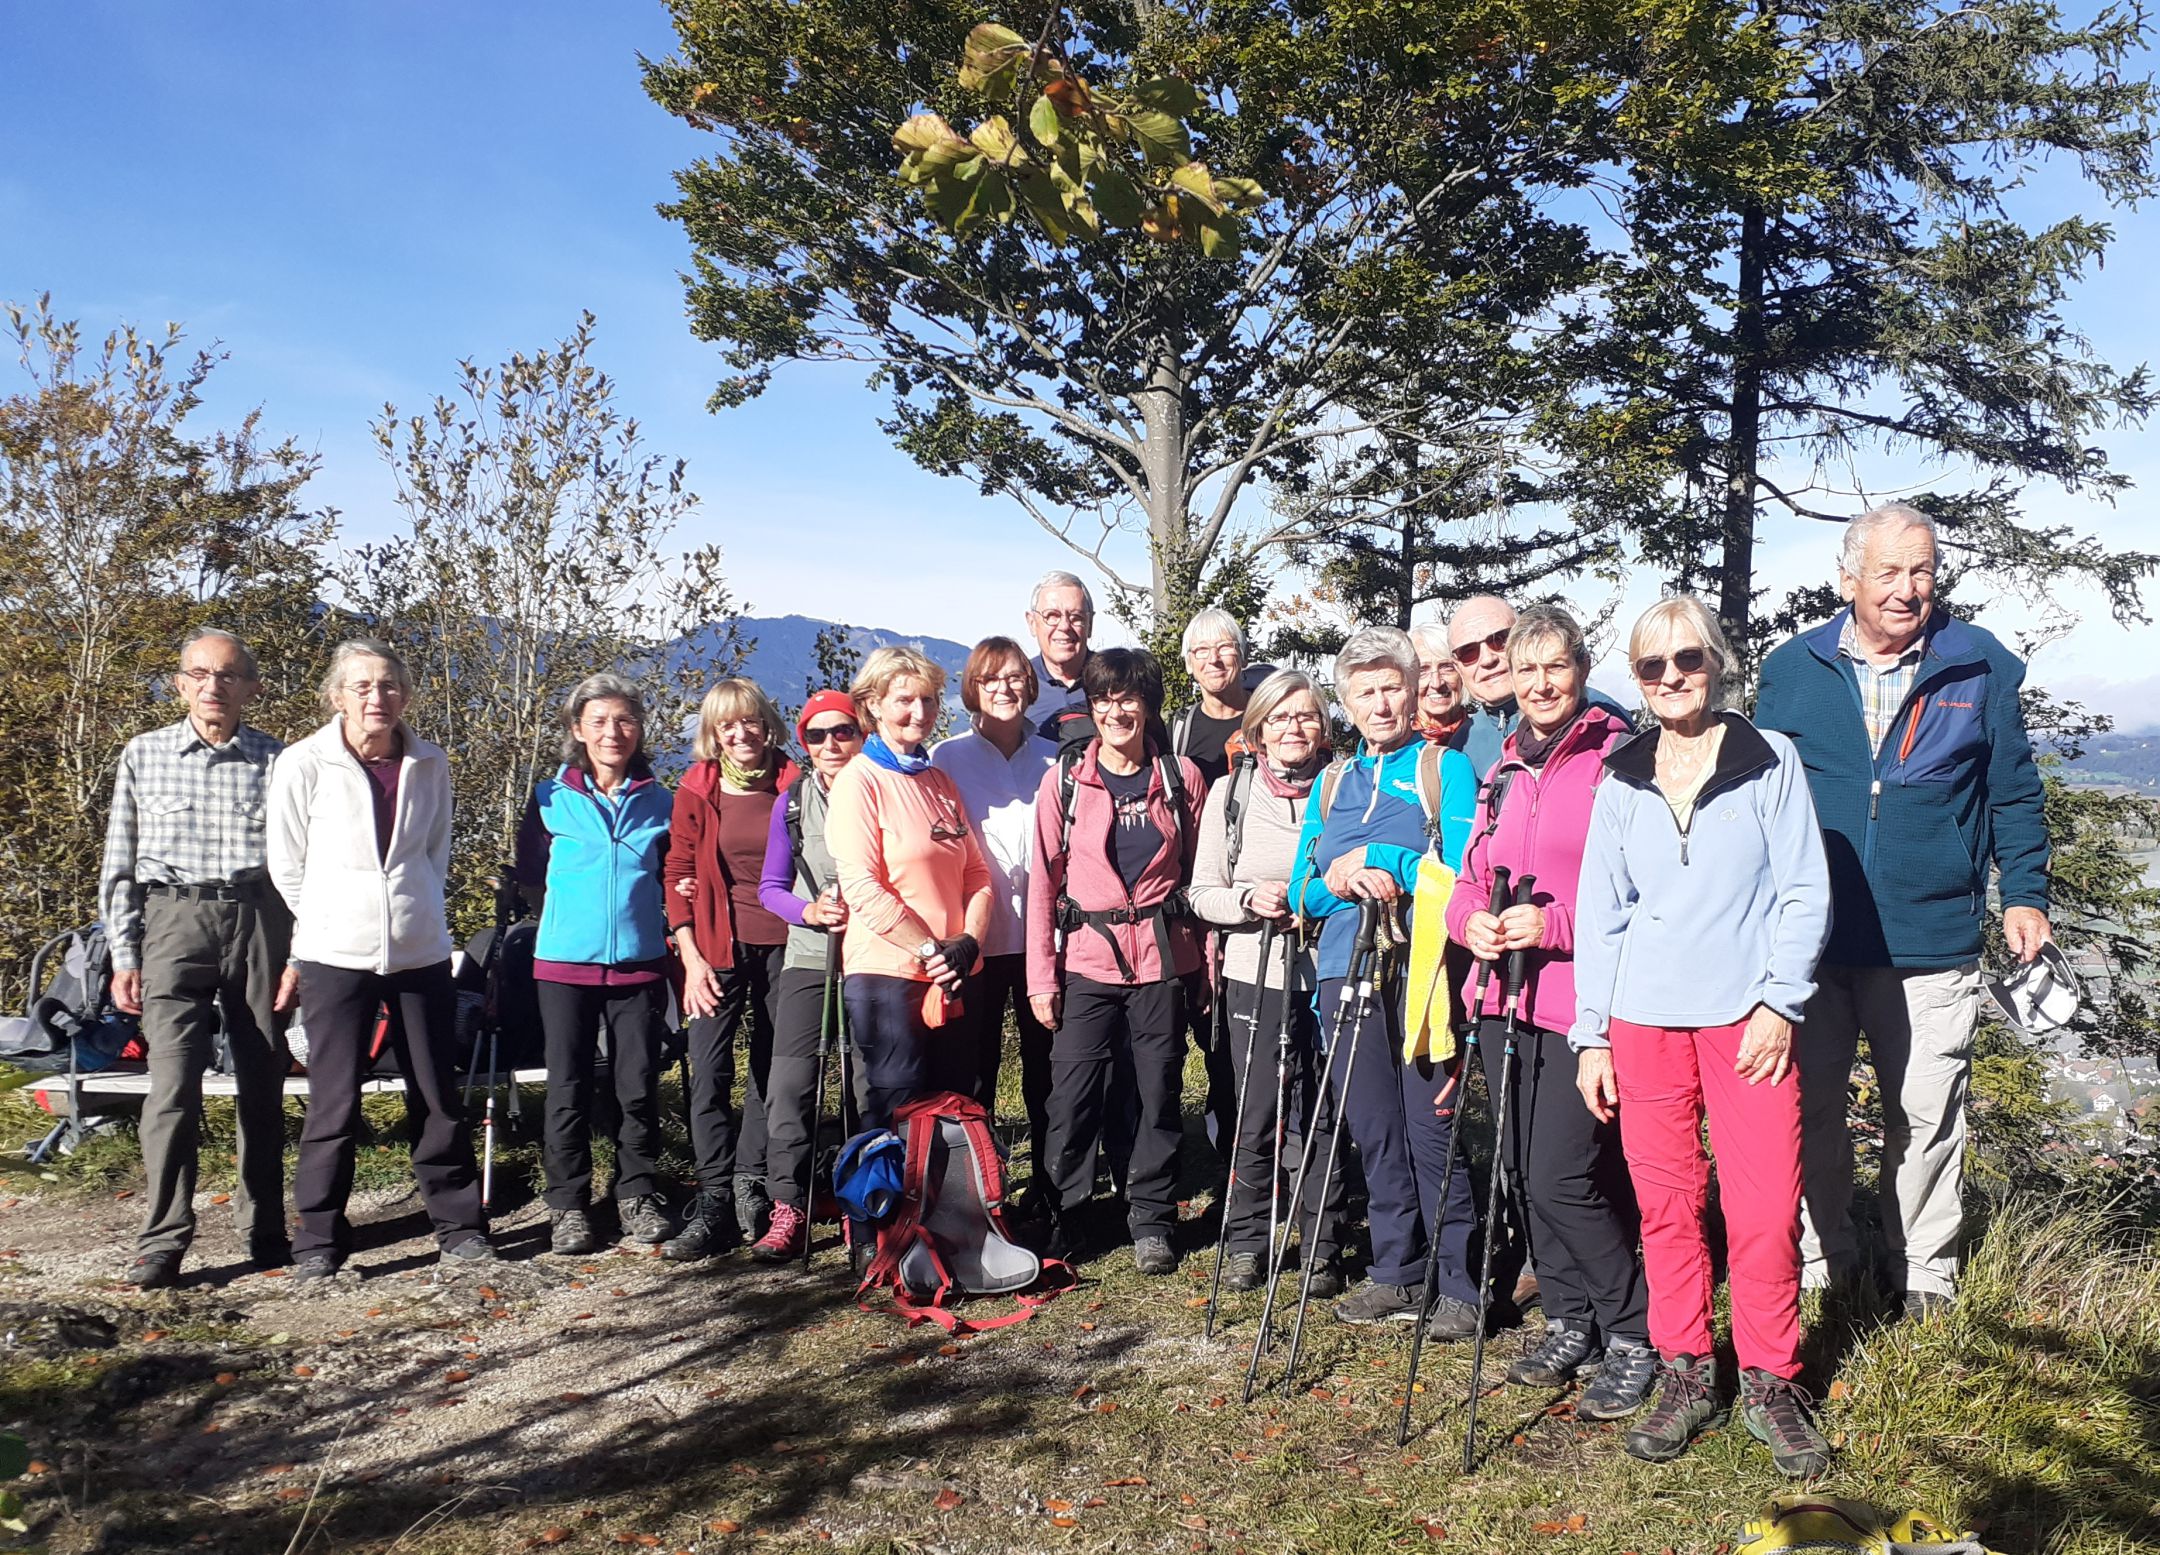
(351, 197)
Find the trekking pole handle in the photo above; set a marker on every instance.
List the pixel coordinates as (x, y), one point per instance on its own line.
(1517, 963)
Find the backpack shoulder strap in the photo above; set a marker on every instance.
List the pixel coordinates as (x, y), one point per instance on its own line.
(1068, 796)
(1330, 780)
(792, 819)
(1428, 789)
(1173, 782)
(1181, 731)
(1234, 800)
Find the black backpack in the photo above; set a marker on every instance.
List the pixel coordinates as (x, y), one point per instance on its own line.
(1070, 916)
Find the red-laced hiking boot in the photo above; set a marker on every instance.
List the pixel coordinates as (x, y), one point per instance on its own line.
(785, 1236)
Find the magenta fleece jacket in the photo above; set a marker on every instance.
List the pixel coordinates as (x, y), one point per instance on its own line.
(1543, 824)
(1087, 873)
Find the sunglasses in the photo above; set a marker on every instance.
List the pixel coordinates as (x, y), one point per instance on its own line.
(947, 827)
(816, 737)
(1471, 652)
(1688, 661)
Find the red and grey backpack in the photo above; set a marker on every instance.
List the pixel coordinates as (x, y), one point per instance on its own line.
(948, 1238)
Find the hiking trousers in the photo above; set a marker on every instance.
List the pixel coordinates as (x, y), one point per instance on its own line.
(1100, 1025)
(1919, 1027)
(572, 1016)
(723, 1143)
(1254, 1185)
(1402, 1144)
(1668, 1078)
(203, 960)
(789, 1082)
(340, 1005)
(1569, 1170)
(901, 1056)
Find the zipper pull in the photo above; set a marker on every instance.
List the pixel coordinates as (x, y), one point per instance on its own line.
(1874, 798)
(1683, 849)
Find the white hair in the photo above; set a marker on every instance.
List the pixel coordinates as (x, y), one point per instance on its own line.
(1061, 580)
(353, 648)
(1430, 635)
(1210, 625)
(1890, 518)
(1375, 647)
(218, 634)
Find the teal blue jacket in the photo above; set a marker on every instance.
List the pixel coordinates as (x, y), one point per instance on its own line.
(600, 865)
(1912, 827)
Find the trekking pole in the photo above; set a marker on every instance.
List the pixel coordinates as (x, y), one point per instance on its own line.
(1431, 1288)
(505, 885)
(1278, 1223)
(1367, 925)
(1363, 961)
(1496, 1094)
(817, 1106)
(1282, 1079)
(1237, 1127)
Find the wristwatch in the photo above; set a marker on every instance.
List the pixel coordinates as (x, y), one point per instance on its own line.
(926, 950)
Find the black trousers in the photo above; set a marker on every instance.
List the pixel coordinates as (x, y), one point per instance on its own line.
(1210, 1038)
(1001, 983)
(572, 1016)
(789, 1084)
(1580, 1205)
(339, 1007)
(723, 1144)
(1103, 1025)
(898, 1055)
(1254, 1188)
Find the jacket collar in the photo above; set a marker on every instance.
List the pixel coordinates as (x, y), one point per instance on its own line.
(1945, 639)
(1742, 752)
(1087, 770)
(330, 741)
(571, 776)
(1591, 725)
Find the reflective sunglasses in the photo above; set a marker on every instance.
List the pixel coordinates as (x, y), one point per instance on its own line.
(1688, 661)
(1471, 652)
(817, 737)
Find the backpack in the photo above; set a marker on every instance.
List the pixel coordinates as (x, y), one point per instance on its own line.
(75, 1007)
(947, 1237)
(1069, 913)
(1428, 787)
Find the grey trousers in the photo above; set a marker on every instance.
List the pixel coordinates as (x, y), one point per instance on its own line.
(1919, 1026)
(201, 959)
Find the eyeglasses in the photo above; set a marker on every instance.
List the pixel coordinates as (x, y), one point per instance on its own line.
(1124, 704)
(203, 677)
(815, 737)
(361, 690)
(1688, 661)
(1221, 653)
(1016, 680)
(1060, 617)
(1285, 718)
(1471, 652)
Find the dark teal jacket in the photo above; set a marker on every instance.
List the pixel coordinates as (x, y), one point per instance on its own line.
(1910, 828)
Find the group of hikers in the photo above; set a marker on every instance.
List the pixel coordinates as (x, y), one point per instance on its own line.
(1702, 915)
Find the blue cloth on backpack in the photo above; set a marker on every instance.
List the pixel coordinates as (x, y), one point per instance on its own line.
(871, 1173)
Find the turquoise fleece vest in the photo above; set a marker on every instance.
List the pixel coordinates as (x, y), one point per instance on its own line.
(604, 902)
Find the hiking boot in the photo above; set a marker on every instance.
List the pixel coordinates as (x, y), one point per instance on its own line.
(1525, 1295)
(861, 1247)
(1374, 1302)
(154, 1271)
(1775, 1412)
(646, 1219)
(785, 1239)
(710, 1229)
(1562, 1355)
(1152, 1255)
(753, 1206)
(313, 1268)
(1242, 1271)
(1686, 1405)
(474, 1250)
(1622, 1383)
(1327, 1277)
(269, 1253)
(1451, 1319)
(570, 1234)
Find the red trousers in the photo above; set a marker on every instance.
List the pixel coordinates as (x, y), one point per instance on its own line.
(1668, 1079)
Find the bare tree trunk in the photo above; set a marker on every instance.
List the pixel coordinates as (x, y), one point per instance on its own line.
(1736, 572)
(1163, 464)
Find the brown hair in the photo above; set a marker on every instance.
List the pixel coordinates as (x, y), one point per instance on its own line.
(989, 654)
(736, 698)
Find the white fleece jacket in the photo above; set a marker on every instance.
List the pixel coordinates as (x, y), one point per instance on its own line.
(352, 908)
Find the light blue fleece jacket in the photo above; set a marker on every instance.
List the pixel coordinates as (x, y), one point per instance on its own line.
(1695, 928)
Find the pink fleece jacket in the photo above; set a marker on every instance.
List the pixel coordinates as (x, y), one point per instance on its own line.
(1543, 823)
(1085, 870)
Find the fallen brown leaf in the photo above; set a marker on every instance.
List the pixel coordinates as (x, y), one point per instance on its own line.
(1194, 1521)
(1107, 1407)
(303, 1371)
(220, 1198)
(1059, 1506)
(457, 1376)
(554, 1535)
(724, 1525)
(1064, 1522)
(1840, 1389)
(947, 1499)
(152, 1336)
(292, 1492)
(1128, 1480)
(225, 1379)
(571, 1398)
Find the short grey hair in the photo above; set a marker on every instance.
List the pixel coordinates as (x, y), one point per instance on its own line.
(1271, 693)
(1549, 624)
(1058, 579)
(218, 634)
(603, 687)
(1655, 628)
(1373, 647)
(361, 648)
(1890, 518)
(1430, 635)
(1210, 624)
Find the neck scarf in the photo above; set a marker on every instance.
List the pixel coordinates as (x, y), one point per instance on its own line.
(1532, 751)
(885, 756)
(1437, 733)
(737, 776)
(1293, 782)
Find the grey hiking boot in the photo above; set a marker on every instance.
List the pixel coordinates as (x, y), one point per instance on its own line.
(1154, 1255)
(1451, 1319)
(1622, 1383)
(646, 1219)
(1373, 1302)
(1775, 1412)
(1327, 1279)
(711, 1229)
(1242, 1271)
(753, 1206)
(570, 1234)
(1687, 1404)
(1560, 1357)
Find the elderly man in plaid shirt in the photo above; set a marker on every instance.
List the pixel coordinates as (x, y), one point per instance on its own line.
(199, 936)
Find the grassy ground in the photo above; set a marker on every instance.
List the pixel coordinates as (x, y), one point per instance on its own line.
(724, 1408)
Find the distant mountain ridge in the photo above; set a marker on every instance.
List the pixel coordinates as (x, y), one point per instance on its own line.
(2124, 760)
(786, 652)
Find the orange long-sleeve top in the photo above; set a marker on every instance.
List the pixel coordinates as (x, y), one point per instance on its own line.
(900, 844)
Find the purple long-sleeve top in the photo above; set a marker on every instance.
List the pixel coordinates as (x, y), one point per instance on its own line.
(776, 882)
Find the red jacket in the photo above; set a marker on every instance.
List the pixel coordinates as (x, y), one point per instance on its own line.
(1084, 869)
(1543, 824)
(694, 854)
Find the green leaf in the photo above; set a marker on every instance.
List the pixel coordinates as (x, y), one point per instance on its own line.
(1196, 181)
(994, 138)
(1117, 198)
(1043, 121)
(1218, 233)
(1239, 193)
(1045, 205)
(1162, 138)
(1169, 94)
(992, 58)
